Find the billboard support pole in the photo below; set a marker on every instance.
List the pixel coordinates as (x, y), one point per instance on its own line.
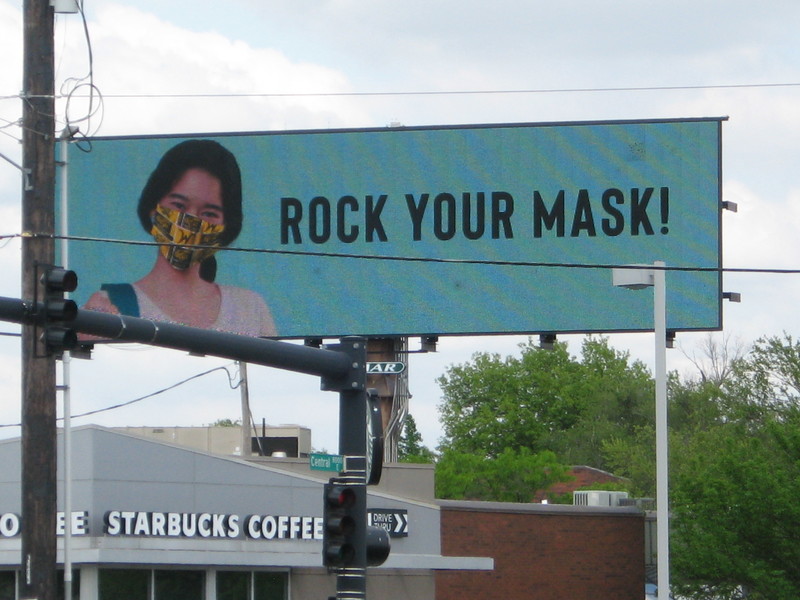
(639, 278)
(662, 431)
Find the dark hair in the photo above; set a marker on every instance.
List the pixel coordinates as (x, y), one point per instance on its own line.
(208, 156)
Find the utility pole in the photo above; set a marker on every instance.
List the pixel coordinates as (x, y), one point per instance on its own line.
(38, 567)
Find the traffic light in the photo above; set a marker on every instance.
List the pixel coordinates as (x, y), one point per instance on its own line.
(345, 530)
(341, 525)
(56, 310)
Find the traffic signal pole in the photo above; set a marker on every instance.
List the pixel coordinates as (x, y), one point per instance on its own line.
(351, 575)
(38, 248)
(341, 367)
(349, 544)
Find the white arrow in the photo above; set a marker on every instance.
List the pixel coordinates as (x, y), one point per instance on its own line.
(401, 523)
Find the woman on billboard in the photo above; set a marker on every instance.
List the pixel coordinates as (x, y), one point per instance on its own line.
(192, 206)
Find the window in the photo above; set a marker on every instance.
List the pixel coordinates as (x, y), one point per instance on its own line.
(124, 584)
(180, 585)
(244, 585)
(7, 585)
(233, 585)
(269, 586)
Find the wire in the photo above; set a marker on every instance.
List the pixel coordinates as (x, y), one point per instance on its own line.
(462, 261)
(422, 259)
(71, 86)
(145, 397)
(585, 90)
(153, 394)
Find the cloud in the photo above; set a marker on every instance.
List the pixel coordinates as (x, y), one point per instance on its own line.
(138, 53)
(185, 47)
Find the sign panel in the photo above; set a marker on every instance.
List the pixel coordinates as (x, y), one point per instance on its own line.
(403, 231)
(395, 522)
(385, 368)
(326, 462)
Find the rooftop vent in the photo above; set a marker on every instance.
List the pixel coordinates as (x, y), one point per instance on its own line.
(598, 498)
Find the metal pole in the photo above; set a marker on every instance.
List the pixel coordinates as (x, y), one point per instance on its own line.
(662, 451)
(245, 396)
(334, 366)
(66, 393)
(351, 582)
(67, 401)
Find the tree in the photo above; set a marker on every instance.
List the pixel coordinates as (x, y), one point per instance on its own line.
(511, 476)
(545, 400)
(492, 403)
(716, 359)
(512, 425)
(736, 518)
(409, 447)
(618, 403)
(226, 423)
(736, 477)
(734, 449)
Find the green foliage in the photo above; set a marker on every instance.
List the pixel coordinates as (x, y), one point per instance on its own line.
(494, 403)
(617, 400)
(226, 423)
(511, 476)
(409, 447)
(736, 516)
(608, 486)
(634, 457)
(734, 449)
(545, 400)
(736, 482)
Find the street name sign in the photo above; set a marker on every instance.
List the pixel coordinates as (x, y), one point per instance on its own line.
(326, 462)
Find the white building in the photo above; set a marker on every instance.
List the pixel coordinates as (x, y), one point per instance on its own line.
(155, 521)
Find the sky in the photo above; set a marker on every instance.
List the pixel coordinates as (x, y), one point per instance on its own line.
(263, 65)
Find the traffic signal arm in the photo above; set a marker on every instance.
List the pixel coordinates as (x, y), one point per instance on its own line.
(270, 353)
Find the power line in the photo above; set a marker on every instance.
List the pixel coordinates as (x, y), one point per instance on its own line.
(578, 90)
(145, 397)
(425, 259)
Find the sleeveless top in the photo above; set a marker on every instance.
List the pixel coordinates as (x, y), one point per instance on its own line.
(241, 310)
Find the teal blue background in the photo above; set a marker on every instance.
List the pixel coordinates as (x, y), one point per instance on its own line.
(323, 296)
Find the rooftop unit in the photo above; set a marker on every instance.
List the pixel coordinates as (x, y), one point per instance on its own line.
(283, 440)
(598, 498)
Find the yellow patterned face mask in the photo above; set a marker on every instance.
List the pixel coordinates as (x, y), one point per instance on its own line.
(185, 238)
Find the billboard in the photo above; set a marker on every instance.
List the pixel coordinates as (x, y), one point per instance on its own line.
(480, 229)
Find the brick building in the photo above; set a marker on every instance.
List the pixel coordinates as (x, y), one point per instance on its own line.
(178, 523)
(543, 552)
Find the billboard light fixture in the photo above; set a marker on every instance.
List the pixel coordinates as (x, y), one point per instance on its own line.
(547, 341)
(633, 277)
(670, 341)
(731, 206)
(428, 343)
(65, 7)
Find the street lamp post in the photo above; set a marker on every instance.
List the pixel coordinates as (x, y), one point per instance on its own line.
(655, 277)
